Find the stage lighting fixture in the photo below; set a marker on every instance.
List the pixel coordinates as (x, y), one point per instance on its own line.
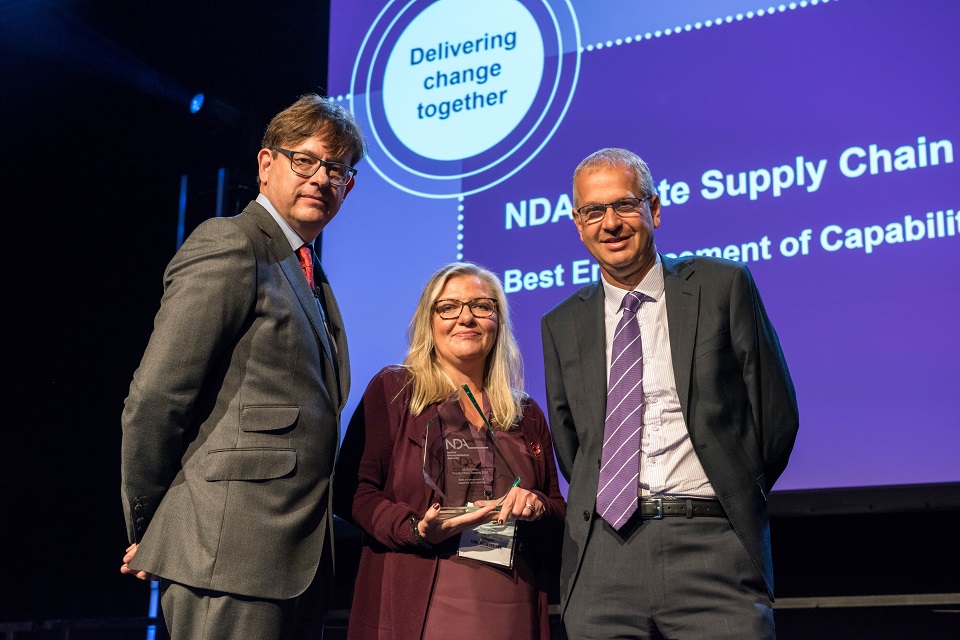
(196, 103)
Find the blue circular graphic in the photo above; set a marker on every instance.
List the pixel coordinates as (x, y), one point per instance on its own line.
(457, 97)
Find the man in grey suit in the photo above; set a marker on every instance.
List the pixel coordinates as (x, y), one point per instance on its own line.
(232, 423)
(702, 431)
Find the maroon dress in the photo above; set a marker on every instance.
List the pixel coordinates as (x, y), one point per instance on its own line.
(468, 594)
(405, 591)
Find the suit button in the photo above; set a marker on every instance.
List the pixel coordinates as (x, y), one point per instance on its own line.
(586, 515)
(138, 508)
(140, 521)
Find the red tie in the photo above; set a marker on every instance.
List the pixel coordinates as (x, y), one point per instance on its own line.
(306, 263)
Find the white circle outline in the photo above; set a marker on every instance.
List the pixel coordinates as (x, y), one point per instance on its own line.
(576, 75)
(546, 108)
(503, 157)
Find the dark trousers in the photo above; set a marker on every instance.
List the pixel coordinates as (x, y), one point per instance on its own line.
(674, 578)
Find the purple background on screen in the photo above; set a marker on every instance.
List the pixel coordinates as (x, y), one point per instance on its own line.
(871, 339)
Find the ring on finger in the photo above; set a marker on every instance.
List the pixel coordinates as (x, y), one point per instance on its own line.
(529, 506)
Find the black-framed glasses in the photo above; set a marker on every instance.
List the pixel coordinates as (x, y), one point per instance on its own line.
(306, 165)
(624, 207)
(450, 309)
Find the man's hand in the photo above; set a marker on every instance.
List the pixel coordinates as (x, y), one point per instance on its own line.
(124, 568)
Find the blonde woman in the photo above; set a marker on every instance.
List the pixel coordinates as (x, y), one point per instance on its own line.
(418, 445)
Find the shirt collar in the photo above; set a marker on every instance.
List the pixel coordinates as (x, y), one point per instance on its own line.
(651, 286)
(292, 236)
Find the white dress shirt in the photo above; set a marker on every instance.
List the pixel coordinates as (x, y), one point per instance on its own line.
(669, 467)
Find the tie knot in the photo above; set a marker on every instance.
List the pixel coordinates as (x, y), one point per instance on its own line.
(631, 301)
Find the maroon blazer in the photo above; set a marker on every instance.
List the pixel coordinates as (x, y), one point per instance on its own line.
(379, 486)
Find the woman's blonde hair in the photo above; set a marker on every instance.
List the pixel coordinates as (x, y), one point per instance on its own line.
(503, 373)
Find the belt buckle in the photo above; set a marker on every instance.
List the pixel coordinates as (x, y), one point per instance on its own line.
(659, 503)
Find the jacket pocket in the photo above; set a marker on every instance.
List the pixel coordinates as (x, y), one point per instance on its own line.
(263, 418)
(762, 485)
(712, 344)
(249, 464)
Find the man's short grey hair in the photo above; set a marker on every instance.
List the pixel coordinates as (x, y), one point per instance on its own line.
(612, 157)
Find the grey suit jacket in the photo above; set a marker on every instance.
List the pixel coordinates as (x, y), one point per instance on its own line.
(735, 392)
(231, 426)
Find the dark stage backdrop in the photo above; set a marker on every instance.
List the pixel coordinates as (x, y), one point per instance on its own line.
(97, 134)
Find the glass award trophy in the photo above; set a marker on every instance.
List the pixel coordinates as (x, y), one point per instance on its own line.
(463, 464)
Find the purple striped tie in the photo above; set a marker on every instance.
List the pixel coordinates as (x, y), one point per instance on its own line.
(620, 464)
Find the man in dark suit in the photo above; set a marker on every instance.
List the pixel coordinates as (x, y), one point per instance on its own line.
(232, 423)
(670, 461)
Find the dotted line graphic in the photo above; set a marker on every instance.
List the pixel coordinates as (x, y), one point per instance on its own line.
(460, 228)
(660, 33)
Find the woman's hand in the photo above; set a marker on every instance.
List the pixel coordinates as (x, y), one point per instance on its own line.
(519, 504)
(435, 530)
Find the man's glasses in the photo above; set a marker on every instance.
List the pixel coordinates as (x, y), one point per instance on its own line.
(625, 208)
(306, 165)
(451, 309)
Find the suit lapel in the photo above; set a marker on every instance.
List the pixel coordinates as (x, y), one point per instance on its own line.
(287, 259)
(683, 305)
(335, 320)
(291, 268)
(592, 348)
